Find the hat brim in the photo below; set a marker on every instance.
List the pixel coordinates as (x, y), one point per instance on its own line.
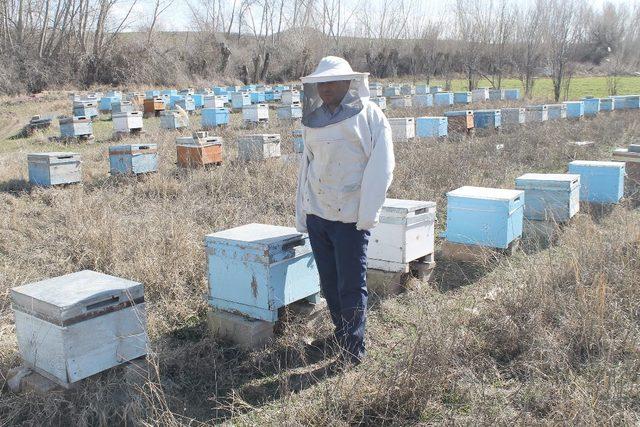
(322, 78)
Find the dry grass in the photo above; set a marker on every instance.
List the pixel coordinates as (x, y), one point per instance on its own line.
(550, 336)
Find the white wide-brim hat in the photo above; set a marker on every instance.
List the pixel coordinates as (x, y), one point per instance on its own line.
(331, 69)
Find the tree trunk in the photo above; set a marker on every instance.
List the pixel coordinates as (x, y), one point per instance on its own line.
(225, 53)
(265, 66)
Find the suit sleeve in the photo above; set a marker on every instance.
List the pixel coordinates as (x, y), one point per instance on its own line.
(301, 215)
(378, 173)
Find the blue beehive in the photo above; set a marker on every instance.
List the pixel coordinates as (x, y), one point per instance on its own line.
(435, 89)
(422, 89)
(550, 196)
(427, 127)
(591, 106)
(607, 104)
(198, 100)
(240, 100)
(392, 91)
(212, 117)
(269, 96)
(256, 269)
(217, 90)
(75, 127)
(481, 216)
(512, 94)
(257, 97)
(289, 112)
(106, 101)
(133, 159)
(632, 102)
(248, 88)
(462, 97)
(443, 98)
(575, 109)
(536, 113)
(150, 94)
(480, 94)
(48, 169)
(620, 102)
(169, 92)
(487, 119)
(380, 101)
(556, 111)
(422, 100)
(122, 107)
(186, 103)
(496, 95)
(298, 140)
(85, 109)
(600, 182)
(512, 116)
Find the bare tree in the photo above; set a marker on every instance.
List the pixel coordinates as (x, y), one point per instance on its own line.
(527, 52)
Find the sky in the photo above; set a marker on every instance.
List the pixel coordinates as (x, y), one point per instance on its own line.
(178, 16)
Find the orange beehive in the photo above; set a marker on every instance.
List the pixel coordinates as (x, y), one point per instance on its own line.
(199, 150)
(153, 106)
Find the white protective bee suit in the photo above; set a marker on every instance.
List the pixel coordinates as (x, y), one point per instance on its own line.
(347, 165)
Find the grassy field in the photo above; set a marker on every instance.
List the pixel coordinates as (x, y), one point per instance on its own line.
(547, 336)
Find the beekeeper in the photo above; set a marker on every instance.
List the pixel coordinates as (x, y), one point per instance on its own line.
(346, 169)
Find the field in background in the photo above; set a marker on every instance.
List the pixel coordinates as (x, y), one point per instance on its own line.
(550, 335)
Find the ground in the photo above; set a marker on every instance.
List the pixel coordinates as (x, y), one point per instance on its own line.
(549, 335)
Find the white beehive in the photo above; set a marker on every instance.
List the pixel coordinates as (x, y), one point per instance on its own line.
(405, 233)
(259, 146)
(289, 97)
(127, 121)
(214, 101)
(74, 326)
(401, 101)
(255, 113)
(403, 128)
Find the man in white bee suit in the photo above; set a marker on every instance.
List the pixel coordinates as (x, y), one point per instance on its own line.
(346, 169)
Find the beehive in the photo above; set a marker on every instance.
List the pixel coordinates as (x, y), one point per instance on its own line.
(255, 113)
(127, 122)
(48, 169)
(200, 149)
(290, 112)
(154, 105)
(169, 92)
(631, 157)
(269, 96)
(186, 103)
(380, 101)
(214, 101)
(620, 102)
(480, 95)
(106, 103)
(607, 104)
(248, 88)
(435, 89)
(298, 140)
(122, 107)
(400, 101)
(462, 97)
(431, 127)
(511, 94)
(259, 146)
(591, 106)
(213, 117)
(443, 98)
(173, 120)
(632, 102)
(407, 89)
(490, 217)
(257, 97)
(536, 113)
(405, 233)
(550, 196)
(230, 89)
(133, 159)
(487, 119)
(85, 109)
(375, 89)
(575, 109)
(137, 98)
(150, 94)
(74, 326)
(600, 182)
(392, 91)
(255, 269)
(459, 121)
(239, 100)
(402, 128)
(556, 111)
(512, 116)
(422, 89)
(496, 95)
(75, 127)
(422, 100)
(198, 100)
(217, 90)
(289, 97)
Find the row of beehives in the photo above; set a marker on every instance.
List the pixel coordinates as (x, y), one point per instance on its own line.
(405, 128)
(74, 326)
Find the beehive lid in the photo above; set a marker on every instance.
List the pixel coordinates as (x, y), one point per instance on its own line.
(262, 137)
(543, 181)
(131, 148)
(77, 296)
(260, 237)
(634, 148)
(401, 208)
(125, 114)
(512, 110)
(55, 157)
(484, 193)
(597, 164)
(400, 120)
(458, 113)
(486, 111)
(536, 107)
(439, 118)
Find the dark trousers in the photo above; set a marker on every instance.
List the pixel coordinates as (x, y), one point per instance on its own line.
(340, 251)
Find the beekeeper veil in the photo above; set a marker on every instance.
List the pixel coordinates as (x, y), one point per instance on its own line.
(330, 69)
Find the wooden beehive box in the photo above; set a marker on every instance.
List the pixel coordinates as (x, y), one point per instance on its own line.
(550, 196)
(513, 116)
(48, 169)
(380, 101)
(402, 128)
(400, 101)
(462, 98)
(259, 146)
(487, 119)
(607, 104)
(422, 100)
(443, 98)
(556, 111)
(256, 269)
(575, 109)
(154, 105)
(405, 233)
(431, 127)
(215, 101)
(490, 217)
(422, 89)
(407, 89)
(459, 121)
(392, 91)
(536, 113)
(290, 112)
(122, 107)
(511, 94)
(133, 159)
(199, 150)
(496, 94)
(239, 100)
(600, 182)
(375, 90)
(85, 109)
(591, 106)
(75, 127)
(255, 113)
(173, 120)
(480, 95)
(435, 89)
(214, 117)
(127, 122)
(74, 326)
(187, 103)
